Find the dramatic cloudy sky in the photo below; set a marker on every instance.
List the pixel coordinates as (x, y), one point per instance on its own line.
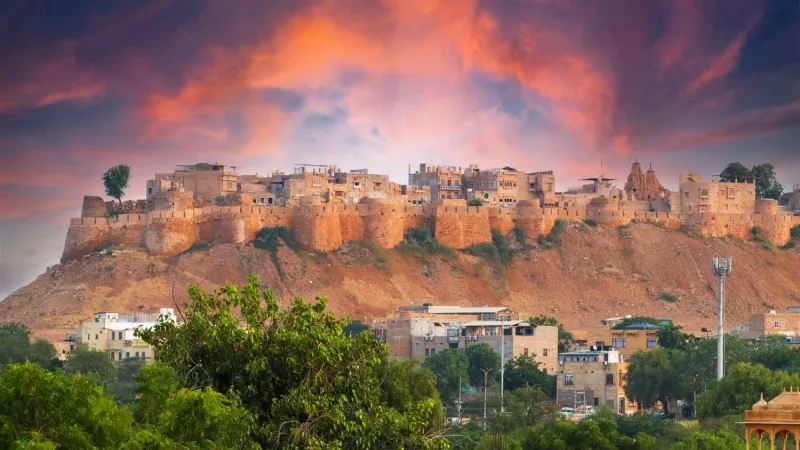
(537, 84)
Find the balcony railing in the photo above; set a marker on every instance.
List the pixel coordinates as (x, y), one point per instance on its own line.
(449, 187)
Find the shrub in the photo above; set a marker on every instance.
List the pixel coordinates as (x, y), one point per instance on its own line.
(198, 246)
(590, 222)
(794, 234)
(268, 238)
(421, 240)
(765, 243)
(622, 230)
(756, 232)
(475, 202)
(554, 237)
(669, 297)
(520, 236)
(219, 200)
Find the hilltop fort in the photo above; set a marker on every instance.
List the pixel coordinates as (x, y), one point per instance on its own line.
(324, 206)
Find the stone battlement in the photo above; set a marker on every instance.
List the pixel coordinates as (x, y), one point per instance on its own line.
(324, 227)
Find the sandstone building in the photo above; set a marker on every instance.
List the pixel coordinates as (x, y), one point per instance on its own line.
(325, 206)
(444, 181)
(206, 181)
(772, 420)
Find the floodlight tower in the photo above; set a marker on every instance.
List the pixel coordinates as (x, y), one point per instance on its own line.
(722, 268)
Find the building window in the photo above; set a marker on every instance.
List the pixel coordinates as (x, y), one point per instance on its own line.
(775, 324)
(651, 342)
(427, 352)
(618, 342)
(433, 351)
(127, 355)
(119, 356)
(95, 337)
(544, 352)
(568, 379)
(120, 335)
(112, 356)
(609, 378)
(597, 401)
(113, 335)
(525, 352)
(137, 354)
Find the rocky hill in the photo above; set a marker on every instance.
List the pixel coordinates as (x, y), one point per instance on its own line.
(593, 273)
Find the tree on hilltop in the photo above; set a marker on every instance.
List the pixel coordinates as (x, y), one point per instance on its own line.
(767, 185)
(735, 171)
(116, 181)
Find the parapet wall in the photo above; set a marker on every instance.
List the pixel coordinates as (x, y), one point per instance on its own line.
(324, 227)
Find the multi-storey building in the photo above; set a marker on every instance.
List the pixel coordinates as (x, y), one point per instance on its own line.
(206, 181)
(629, 339)
(350, 187)
(444, 181)
(496, 187)
(697, 195)
(594, 377)
(115, 333)
(422, 332)
(542, 186)
(773, 323)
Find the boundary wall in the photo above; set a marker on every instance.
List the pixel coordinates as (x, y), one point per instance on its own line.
(325, 227)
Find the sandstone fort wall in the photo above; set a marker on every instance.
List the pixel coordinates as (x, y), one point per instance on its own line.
(324, 227)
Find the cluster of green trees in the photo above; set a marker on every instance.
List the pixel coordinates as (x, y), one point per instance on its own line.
(763, 175)
(242, 372)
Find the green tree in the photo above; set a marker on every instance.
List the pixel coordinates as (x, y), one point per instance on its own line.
(85, 360)
(483, 364)
(703, 440)
(741, 388)
(670, 336)
(450, 366)
(116, 181)
(767, 185)
(354, 328)
(16, 347)
(308, 384)
(656, 376)
(736, 171)
(523, 372)
(157, 383)
(565, 338)
(69, 410)
(595, 434)
(207, 419)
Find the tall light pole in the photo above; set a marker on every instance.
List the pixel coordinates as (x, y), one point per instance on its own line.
(722, 268)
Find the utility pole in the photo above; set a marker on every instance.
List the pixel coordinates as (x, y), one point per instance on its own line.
(502, 359)
(485, 382)
(459, 386)
(722, 268)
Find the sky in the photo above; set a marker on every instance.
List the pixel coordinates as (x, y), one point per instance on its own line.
(563, 85)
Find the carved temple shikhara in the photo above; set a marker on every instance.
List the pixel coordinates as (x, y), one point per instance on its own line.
(774, 422)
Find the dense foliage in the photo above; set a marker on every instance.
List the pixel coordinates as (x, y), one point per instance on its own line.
(763, 175)
(16, 347)
(306, 383)
(115, 181)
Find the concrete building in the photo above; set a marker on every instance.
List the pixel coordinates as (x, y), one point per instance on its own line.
(593, 378)
(697, 195)
(496, 187)
(206, 181)
(422, 332)
(115, 333)
(773, 323)
(444, 181)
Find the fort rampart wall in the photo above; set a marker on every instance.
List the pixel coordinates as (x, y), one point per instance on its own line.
(324, 227)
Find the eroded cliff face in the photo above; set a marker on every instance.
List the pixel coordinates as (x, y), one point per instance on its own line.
(598, 272)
